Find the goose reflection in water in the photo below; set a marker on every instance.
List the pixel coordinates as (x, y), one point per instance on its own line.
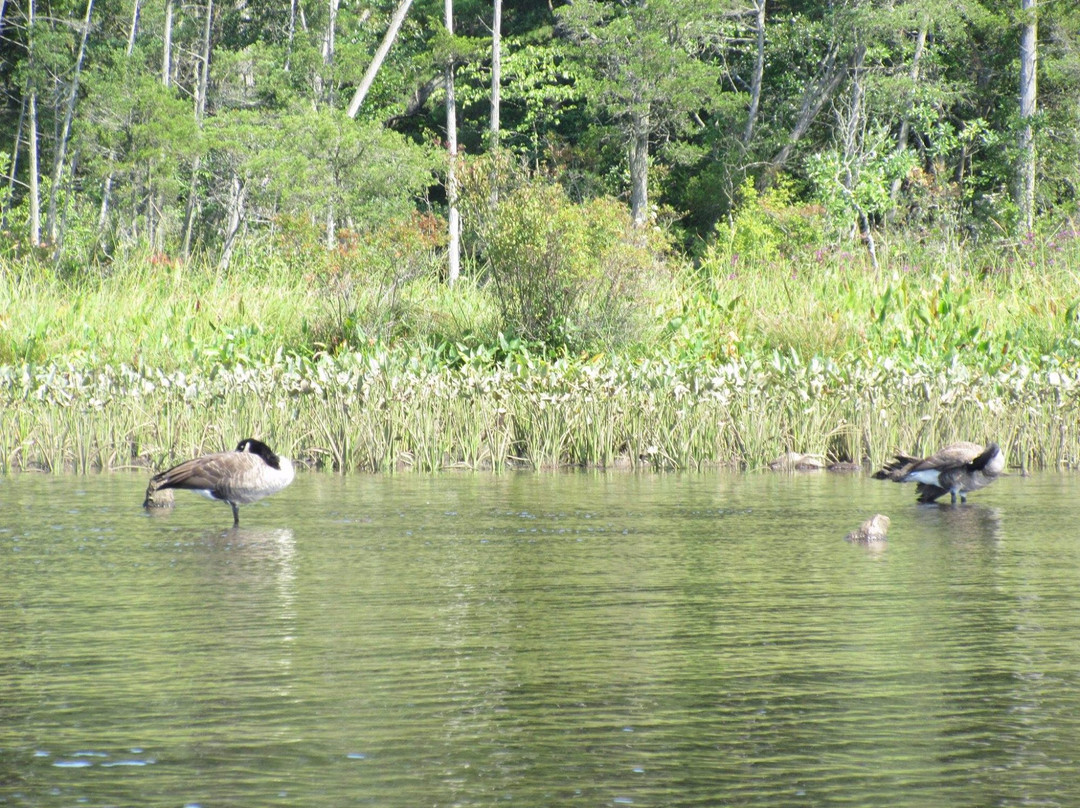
(976, 524)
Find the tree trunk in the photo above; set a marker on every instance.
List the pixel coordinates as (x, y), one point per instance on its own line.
(819, 91)
(1025, 184)
(496, 71)
(324, 91)
(65, 132)
(905, 125)
(32, 144)
(759, 71)
(324, 83)
(291, 34)
(453, 216)
(237, 197)
(639, 168)
(200, 111)
(852, 135)
(35, 190)
(106, 194)
(13, 172)
(134, 26)
(166, 57)
(377, 60)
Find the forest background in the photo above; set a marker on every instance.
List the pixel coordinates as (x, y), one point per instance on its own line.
(670, 232)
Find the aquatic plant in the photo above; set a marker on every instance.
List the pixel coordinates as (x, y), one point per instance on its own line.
(390, 410)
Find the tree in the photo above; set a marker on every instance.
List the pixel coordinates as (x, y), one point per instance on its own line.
(646, 71)
(1025, 186)
(200, 112)
(65, 132)
(759, 70)
(380, 55)
(496, 70)
(454, 216)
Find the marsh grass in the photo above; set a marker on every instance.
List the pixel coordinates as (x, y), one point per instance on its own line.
(147, 362)
(390, 412)
(996, 304)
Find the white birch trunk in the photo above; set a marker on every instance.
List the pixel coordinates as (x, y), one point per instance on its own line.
(237, 198)
(13, 168)
(328, 61)
(35, 189)
(817, 93)
(106, 195)
(65, 131)
(322, 94)
(1025, 191)
(377, 60)
(496, 71)
(32, 146)
(639, 169)
(291, 35)
(134, 26)
(454, 216)
(759, 71)
(166, 56)
(200, 111)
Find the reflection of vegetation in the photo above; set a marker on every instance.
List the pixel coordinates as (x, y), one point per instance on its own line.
(478, 410)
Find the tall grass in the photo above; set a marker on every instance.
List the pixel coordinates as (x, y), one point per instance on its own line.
(144, 362)
(390, 411)
(992, 305)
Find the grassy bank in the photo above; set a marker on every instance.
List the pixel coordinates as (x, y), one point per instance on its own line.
(389, 411)
(746, 355)
(988, 307)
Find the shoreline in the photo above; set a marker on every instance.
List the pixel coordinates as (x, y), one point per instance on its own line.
(386, 412)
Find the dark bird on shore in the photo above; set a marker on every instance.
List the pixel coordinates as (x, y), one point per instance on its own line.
(872, 531)
(240, 477)
(956, 469)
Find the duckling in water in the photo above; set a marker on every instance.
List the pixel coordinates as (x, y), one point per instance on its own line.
(871, 531)
(956, 469)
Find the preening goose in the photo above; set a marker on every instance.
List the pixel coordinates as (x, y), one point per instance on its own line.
(246, 475)
(956, 469)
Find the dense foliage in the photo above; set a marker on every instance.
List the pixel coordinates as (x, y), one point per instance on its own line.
(634, 139)
(844, 97)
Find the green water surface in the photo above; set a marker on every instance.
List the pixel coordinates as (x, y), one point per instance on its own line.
(540, 640)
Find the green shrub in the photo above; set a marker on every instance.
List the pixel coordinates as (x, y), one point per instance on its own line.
(570, 275)
(765, 228)
(363, 282)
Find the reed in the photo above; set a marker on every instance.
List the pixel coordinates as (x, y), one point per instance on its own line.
(390, 412)
(146, 362)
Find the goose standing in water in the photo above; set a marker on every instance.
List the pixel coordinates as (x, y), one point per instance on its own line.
(956, 469)
(246, 475)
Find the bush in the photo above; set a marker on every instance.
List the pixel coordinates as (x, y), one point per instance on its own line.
(364, 280)
(765, 228)
(575, 276)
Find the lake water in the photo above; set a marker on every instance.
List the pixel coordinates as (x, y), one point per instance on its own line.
(540, 640)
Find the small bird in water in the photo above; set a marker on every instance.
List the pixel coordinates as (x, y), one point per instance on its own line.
(956, 469)
(871, 531)
(246, 475)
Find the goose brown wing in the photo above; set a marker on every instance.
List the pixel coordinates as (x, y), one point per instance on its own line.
(206, 473)
(897, 468)
(954, 456)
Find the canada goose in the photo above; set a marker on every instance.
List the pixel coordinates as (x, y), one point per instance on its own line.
(247, 475)
(871, 531)
(956, 469)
